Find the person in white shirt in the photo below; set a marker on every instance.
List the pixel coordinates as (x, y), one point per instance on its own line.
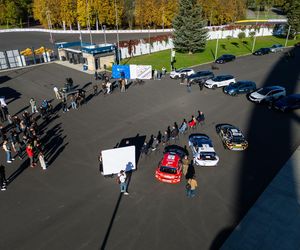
(122, 181)
(57, 95)
(108, 87)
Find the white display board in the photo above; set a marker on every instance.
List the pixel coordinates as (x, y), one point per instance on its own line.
(117, 159)
(140, 71)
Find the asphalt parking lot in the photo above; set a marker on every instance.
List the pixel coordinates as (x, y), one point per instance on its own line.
(72, 206)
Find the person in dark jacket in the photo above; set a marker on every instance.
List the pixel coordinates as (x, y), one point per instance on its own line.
(3, 181)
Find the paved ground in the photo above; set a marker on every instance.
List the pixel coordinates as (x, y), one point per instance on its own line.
(273, 222)
(23, 40)
(71, 206)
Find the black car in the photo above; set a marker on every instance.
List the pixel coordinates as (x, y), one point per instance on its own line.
(201, 76)
(288, 103)
(262, 51)
(225, 58)
(240, 87)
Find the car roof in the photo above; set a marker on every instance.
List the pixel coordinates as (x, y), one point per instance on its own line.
(273, 88)
(224, 76)
(277, 45)
(170, 160)
(245, 81)
(200, 140)
(227, 55)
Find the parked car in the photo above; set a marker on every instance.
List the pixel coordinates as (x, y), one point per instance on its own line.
(240, 87)
(219, 81)
(181, 72)
(225, 58)
(262, 51)
(288, 103)
(232, 137)
(297, 44)
(276, 48)
(169, 169)
(200, 76)
(267, 94)
(203, 150)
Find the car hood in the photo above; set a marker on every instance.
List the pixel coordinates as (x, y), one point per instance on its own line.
(210, 81)
(257, 95)
(230, 88)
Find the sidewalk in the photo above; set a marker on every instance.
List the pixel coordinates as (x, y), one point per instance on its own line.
(274, 220)
(78, 67)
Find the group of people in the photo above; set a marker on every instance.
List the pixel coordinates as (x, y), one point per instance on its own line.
(172, 133)
(157, 74)
(21, 136)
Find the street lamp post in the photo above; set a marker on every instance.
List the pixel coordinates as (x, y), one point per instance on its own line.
(104, 29)
(254, 40)
(217, 45)
(88, 19)
(117, 26)
(149, 39)
(49, 25)
(287, 37)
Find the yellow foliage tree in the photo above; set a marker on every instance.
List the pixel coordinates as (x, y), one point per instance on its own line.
(168, 9)
(68, 11)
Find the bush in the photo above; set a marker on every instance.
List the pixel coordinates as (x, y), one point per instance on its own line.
(241, 35)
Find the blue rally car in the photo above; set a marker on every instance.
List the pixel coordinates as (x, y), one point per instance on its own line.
(240, 87)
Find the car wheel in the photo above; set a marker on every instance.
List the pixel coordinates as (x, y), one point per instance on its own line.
(233, 94)
(176, 77)
(214, 87)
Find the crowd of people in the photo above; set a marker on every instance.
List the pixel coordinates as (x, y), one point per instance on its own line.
(22, 135)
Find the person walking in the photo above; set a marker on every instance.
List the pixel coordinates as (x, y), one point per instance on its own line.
(42, 160)
(122, 182)
(185, 165)
(30, 153)
(33, 106)
(191, 187)
(3, 181)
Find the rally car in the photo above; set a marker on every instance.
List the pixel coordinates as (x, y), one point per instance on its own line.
(169, 169)
(232, 137)
(203, 150)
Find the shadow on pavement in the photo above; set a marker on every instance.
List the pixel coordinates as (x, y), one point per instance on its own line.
(271, 138)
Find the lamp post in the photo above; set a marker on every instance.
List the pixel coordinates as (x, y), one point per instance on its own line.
(217, 45)
(287, 36)
(117, 26)
(253, 46)
(149, 39)
(49, 25)
(104, 29)
(88, 19)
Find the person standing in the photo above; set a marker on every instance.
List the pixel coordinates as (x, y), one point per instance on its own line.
(95, 87)
(3, 181)
(123, 83)
(30, 153)
(185, 165)
(64, 105)
(33, 106)
(122, 181)
(57, 95)
(42, 161)
(1, 115)
(191, 187)
(73, 102)
(163, 71)
(5, 112)
(201, 85)
(188, 84)
(7, 149)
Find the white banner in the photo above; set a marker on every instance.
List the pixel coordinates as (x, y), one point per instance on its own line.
(140, 71)
(117, 159)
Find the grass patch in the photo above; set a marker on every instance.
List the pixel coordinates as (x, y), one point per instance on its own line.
(233, 46)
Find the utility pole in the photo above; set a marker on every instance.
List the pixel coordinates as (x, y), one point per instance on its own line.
(88, 19)
(48, 12)
(253, 45)
(217, 45)
(149, 39)
(287, 37)
(117, 26)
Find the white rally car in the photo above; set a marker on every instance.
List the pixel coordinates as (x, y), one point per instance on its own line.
(203, 150)
(176, 74)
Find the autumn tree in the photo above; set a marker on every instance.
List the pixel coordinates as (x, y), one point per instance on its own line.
(190, 34)
(168, 9)
(68, 11)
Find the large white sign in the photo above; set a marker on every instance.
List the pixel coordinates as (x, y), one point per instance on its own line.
(117, 159)
(140, 71)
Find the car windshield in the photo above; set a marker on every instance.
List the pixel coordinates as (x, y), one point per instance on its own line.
(217, 78)
(208, 155)
(238, 139)
(167, 170)
(264, 91)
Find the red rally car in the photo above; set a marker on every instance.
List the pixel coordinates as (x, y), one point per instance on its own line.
(169, 169)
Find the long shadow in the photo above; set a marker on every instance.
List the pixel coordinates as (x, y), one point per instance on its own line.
(267, 130)
(10, 94)
(19, 171)
(4, 79)
(138, 142)
(22, 110)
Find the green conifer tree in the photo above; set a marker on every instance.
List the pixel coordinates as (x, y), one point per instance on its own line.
(293, 15)
(190, 34)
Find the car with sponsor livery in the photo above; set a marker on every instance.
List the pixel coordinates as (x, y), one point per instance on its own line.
(231, 137)
(169, 169)
(203, 150)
